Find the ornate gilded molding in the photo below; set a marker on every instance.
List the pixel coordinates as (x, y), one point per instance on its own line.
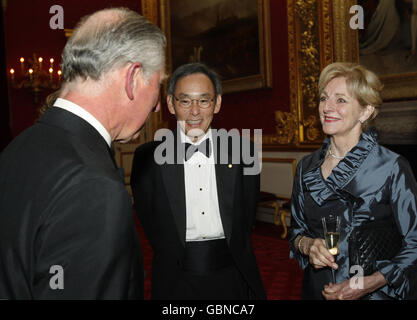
(346, 46)
(310, 48)
(326, 33)
(311, 126)
(306, 15)
(286, 127)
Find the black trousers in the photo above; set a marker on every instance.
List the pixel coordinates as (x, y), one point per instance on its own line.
(209, 273)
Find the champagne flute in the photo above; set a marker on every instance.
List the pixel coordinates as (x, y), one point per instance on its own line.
(331, 228)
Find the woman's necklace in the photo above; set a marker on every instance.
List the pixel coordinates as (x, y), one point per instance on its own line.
(333, 155)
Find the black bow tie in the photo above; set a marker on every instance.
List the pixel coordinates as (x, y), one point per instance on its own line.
(203, 147)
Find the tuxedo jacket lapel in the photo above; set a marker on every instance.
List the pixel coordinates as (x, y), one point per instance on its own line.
(225, 179)
(173, 179)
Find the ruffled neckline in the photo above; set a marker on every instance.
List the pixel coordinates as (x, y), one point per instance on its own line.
(319, 188)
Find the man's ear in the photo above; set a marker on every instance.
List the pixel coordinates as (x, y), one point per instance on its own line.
(170, 104)
(132, 79)
(218, 103)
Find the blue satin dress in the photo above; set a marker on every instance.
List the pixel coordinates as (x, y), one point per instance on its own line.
(370, 183)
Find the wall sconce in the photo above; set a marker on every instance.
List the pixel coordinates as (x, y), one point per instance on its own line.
(33, 77)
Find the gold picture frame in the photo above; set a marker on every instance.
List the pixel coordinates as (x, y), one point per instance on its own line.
(199, 47)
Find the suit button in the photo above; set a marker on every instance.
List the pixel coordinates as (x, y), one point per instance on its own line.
(202, 212)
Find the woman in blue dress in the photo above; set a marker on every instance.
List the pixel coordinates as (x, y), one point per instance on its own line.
(354, 177)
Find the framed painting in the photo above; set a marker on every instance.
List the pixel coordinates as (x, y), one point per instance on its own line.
(230, 36)
(386, 44)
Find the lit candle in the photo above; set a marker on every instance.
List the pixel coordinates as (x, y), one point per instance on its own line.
(22, 65)
(40, 63)
(12, 74)
(31, 74)
(52, 62)
(51, 71)
(59, 75)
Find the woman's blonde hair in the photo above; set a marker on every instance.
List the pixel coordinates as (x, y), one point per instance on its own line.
(363, 85)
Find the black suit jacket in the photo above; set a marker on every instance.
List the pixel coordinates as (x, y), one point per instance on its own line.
(159, 198)
(63, 202)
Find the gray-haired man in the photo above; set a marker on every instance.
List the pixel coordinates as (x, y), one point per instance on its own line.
(66, 221)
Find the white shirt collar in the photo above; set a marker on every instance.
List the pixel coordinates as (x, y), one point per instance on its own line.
(84, 114)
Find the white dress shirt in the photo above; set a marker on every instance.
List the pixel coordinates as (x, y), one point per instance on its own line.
(202, 203)
(84, 114)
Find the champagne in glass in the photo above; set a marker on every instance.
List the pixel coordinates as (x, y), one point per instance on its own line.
(331, 228)
(332, 241)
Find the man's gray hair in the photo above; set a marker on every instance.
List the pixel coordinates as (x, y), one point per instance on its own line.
(99, 45)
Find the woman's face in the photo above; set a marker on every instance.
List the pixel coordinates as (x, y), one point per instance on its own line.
(340, 113)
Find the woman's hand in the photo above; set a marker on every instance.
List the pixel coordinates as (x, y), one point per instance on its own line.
(319, 255)
(346, 291)
(342, 291)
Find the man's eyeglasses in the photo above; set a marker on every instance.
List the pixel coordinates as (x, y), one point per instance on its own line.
(186, 103)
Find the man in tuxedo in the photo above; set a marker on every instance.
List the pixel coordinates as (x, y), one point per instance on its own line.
(67, 228)
(198, 212)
